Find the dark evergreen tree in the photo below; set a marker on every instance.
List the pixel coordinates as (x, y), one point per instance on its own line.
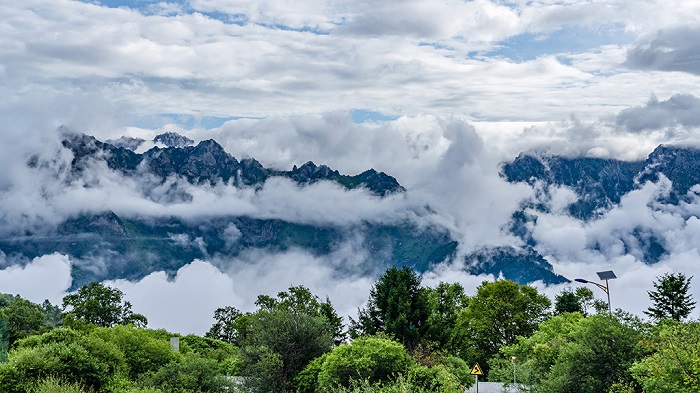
(566, 301)
(671, 298)
(574, 301)
(397, 306)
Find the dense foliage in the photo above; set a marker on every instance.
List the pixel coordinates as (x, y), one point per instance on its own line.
(102, 306)
(409, 338)
(671, 298)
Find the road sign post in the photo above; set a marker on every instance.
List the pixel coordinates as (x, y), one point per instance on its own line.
(476, 371)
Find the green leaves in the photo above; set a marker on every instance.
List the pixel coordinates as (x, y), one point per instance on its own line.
(281, 337)
(397, 306)
(671, 298)
(102, 306)
(498, 313)
(675, 364)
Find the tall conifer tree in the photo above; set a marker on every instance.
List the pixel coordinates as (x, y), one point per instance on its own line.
(671, 298)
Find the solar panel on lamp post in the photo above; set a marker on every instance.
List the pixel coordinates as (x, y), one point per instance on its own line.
(606, 275)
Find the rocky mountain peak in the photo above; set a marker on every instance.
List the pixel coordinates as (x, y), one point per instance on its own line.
(173, 139)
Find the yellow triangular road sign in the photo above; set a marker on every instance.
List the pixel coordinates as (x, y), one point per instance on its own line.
(476, 370)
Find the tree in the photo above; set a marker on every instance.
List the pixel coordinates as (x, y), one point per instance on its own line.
(24, 318)
(574, 301)
(600, 354)
(674, 365)
(193, 374)
(444, 302)
(299, 299)
(498, 313)
(100, 305)
(535, 354)
(369, 358)
(224, 328)
(76, 357)
(397, 306)
(570, 353)
(671, 298)
(379, 363)
(279, 339)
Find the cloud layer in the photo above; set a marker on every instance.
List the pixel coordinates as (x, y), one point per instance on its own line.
(93, 65)
(465, 86)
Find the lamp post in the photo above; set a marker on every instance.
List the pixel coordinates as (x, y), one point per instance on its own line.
(606, 275)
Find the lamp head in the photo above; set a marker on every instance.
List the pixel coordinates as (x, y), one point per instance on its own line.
(581, 280)
(606, 275)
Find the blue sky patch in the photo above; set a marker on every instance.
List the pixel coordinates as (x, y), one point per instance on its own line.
(360, 116)
(185, 121)
(530, 46)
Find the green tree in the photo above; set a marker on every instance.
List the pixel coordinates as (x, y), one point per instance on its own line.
(498, 313)
(224, 327)
(142, 351)
(570, 353)
(372, 363)
(279, 339)
(24, 318)
(54, 315)
(579, 300)
(4, 336)
(397, 306)
(102, 306)
(299, 299)
(599, 355)
(674, 365)
(374, 359)
(444, 303)
(535, 354)
(77, 357)
(670, 297)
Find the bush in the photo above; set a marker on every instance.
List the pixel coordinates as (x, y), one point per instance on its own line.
(142, 352)
(368, 358)
(194, 374)
(56, 385)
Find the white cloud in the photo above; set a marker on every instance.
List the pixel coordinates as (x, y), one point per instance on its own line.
(409, 58)
(44, 278)
(186, 303)
(301, 66)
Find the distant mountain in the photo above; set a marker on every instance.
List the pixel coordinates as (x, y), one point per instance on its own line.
(208, 162)
(168, 139)
(104, 245)
(173, 139)
(601, 183)
(126, 142)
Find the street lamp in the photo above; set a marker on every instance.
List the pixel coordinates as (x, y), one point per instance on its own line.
(606, 275)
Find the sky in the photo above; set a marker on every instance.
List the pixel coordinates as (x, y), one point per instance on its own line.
(436, 94)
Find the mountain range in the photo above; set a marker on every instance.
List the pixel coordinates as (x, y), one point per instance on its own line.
(105, 245)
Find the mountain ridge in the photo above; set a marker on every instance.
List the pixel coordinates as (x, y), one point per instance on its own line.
(105, 245)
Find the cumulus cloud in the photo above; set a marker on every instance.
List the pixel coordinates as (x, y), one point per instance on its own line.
(681, 110)
(673, 49)
(44, 278)
(187, 302)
